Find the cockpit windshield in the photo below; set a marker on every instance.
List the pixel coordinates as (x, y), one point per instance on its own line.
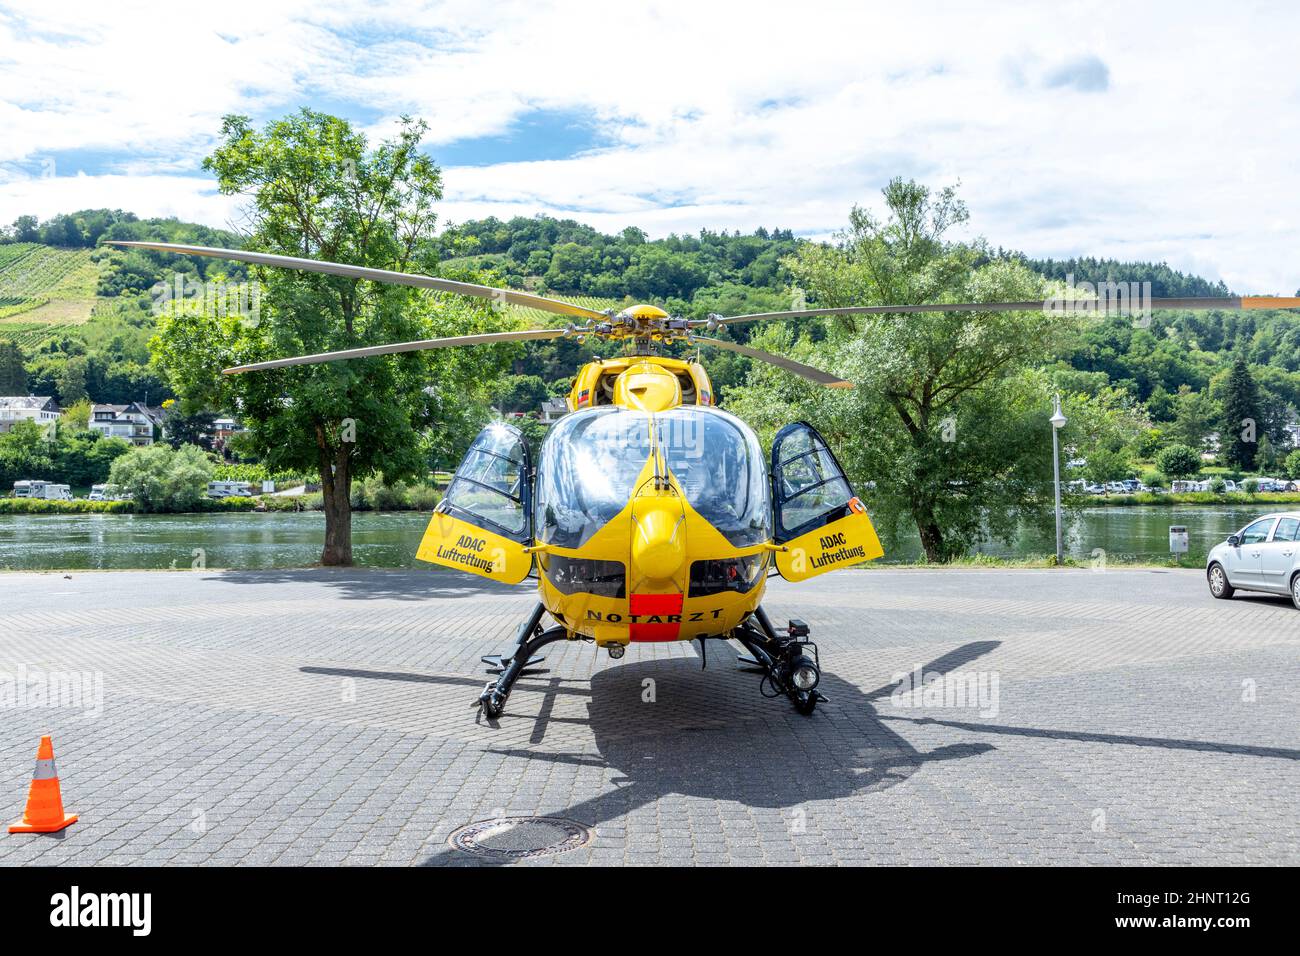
(719, 465)
(589, 464)
(591, 459)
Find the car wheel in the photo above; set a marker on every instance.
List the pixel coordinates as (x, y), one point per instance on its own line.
(1221, 589)
(1295, 590)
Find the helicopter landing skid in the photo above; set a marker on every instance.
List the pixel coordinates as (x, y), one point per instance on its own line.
(778, 655)
(529, 640)
(497, 664)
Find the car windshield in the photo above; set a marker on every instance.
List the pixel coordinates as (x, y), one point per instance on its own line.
(591, 459)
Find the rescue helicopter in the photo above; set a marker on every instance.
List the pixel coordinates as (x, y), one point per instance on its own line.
(650, 514)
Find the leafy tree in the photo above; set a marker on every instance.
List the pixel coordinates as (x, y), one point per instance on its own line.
(317, 190)
(1292, 464)
(1269, 456)
(1153, 479)
(1241, 417)
(1178, 461)
(71, 381)
(572, 266)
(13, 374)
(658, 272)
(25, 452)
(70, 454)
(26, 229)
(1194, 418)
(1105, 465)
(82, 458)
(181, 429)
(160, 478)
(1149, 443)
(944, 417)
(519, 393)
(76, 416)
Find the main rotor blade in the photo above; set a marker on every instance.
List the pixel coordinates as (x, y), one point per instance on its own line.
(1135, 304)
(807, 371)
(484, 338)
(557, 306)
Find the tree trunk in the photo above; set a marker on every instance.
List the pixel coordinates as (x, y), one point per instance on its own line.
(931, 536)
(336, 489)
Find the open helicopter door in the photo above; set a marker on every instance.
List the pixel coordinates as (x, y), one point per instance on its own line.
(484, 524)
(816, 516)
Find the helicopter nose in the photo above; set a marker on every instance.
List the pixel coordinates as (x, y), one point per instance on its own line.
(659, 543)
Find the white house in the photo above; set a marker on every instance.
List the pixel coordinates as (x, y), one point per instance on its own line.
(553, 409)
(137, 423)
(222, 430)
(31, 408)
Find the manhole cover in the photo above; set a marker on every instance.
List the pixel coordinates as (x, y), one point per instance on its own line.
(520, 837)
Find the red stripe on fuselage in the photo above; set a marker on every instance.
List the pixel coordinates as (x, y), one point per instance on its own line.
(654, 611)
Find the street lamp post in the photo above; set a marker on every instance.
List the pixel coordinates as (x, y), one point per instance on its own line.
(1057, 420)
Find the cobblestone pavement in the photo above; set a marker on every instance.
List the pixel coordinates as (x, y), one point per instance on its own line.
(324, 716)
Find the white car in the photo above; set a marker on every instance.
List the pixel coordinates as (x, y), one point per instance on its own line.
(1263, 556)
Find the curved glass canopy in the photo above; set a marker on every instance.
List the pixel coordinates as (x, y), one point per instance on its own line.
(719, 465)
(591, 459)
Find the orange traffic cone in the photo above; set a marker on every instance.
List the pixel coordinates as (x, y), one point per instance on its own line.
(44, 813)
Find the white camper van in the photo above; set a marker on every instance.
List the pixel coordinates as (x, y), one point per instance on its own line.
(42, 489)
(229, 489)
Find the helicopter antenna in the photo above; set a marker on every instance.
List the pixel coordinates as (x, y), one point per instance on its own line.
(660, 477)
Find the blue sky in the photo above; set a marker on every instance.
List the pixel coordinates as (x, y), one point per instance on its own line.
(1069, 130)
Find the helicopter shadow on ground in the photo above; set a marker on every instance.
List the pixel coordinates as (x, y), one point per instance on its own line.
(773, 760)
(371, 584)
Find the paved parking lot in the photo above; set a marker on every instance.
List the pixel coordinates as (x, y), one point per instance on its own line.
(321, 717)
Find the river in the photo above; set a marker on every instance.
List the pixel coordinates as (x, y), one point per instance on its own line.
(389, 539)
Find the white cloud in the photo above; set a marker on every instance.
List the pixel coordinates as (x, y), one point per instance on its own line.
(188, 198)
(1071, 131)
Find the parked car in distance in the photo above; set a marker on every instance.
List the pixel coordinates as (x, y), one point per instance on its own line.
(1263, 556)
(1276, 484)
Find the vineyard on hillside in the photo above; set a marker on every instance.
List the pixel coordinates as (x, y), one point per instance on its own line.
(538, 317)
(33, 276)
(29, 335)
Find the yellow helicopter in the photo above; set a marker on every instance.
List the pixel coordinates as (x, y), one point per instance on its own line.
(651, 514)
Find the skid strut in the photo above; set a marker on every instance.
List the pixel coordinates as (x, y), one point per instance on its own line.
(529, 640)
(780, 656)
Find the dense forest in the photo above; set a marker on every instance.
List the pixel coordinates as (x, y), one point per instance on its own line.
(1174, 370)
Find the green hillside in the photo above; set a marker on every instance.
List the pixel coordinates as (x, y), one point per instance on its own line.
(78, 304)
(43, 289)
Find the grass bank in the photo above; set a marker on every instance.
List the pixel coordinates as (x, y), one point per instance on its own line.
(366, 496)
(1030, 562)
(1192, 498)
